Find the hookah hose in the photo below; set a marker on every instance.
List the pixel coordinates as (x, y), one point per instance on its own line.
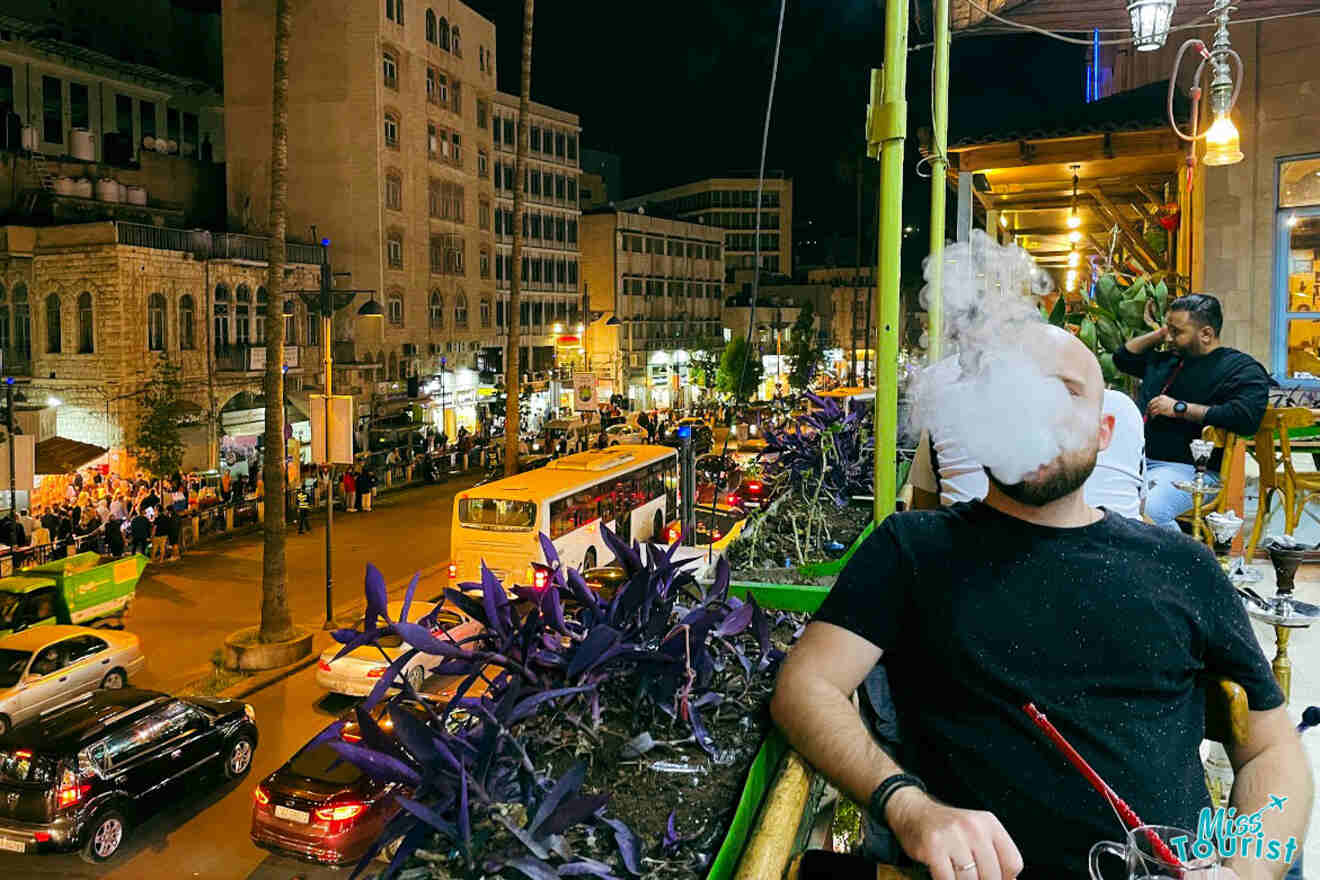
(1133, 821)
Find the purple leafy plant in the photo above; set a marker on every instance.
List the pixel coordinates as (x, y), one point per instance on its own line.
(827, 447)
(542, 659)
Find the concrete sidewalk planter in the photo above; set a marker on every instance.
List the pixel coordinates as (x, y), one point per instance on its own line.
(244, 653)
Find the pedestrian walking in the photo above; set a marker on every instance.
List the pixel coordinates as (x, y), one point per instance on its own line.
(304, 500)
(350, 492)
(140, 531)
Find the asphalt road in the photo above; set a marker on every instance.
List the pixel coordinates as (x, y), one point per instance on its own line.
(182, 612)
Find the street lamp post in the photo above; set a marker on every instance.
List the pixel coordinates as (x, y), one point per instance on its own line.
(325, 301)
(9, 425)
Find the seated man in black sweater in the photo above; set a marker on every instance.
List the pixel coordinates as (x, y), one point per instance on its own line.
(1105, 623)
(1196, 382)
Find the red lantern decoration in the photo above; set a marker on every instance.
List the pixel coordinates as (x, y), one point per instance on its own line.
(1169, 216)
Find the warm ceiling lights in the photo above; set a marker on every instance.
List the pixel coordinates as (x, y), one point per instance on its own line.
(1074, 236)
(1074, 258)
(1074, 220)
(1223, 144)
(1150, 23)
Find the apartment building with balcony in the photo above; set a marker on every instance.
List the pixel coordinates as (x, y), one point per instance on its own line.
(551, 217)
(390, 158)
(87, 309)
(729, 203)
(662, 280)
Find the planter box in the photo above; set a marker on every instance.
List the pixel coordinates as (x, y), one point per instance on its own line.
(765, 766)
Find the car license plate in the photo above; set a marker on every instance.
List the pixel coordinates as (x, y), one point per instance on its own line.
(8, 845)
(302, 817)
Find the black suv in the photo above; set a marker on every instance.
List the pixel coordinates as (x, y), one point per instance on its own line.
(81, 774)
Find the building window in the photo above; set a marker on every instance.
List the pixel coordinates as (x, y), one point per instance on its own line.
(508, 134)
(156, 322)
(485, 311)
(394, 11)
(458, 149)
(430, 26)
(535, 181)
(391, 130)
(559, 187)
(1297, 262)
(559, 145)
(485, 263)
(481, 58)
(447, 252)
(79, 107)
(290, 330)
(437, 86)
(536, 138)
(391, 71)
(481, 114)
(573, 274)
(85, 345)
(52, 111)
(483, 164)
(242, 316)
(495, 129)
(396, 309)
(572, 148)
(433, 141)
(536, 226)
(394, 192)
(437, 310)
(508, 179)
(460, 310)
(456, 45)
(442, 34)
(221, 318)
(313, 328)
(483, 214)
(394, 250)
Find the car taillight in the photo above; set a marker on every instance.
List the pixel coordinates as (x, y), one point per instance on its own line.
(323, 665)
(453, 570)
(754, 486)
(377, 672)
(349, 736)
(341, 812)
(41, 836)
(539, 579)
(70, 791)
(732, 499)
(23, 753)
(259, 795)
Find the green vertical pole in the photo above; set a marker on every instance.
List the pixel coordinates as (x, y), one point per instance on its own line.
(938, 185)
(888, 127)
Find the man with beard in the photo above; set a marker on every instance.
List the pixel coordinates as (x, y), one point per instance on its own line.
(1196, 382)
(1103, 622)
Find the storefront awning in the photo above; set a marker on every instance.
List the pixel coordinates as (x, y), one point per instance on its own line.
(60, 455)
(1069, 15)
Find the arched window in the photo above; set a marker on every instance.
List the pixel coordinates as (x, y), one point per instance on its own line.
(455, 47)
(243, 315)
(22, 323)
(442, 34)
(396, 309)
(430, 26)
(53, 324)
(260, 322)
(437, 310)
(86, 344)
(485, 311)
(221, 318)
(460, 309)
(391, 70)
(391, 130)
(187, 323)
(156, 322)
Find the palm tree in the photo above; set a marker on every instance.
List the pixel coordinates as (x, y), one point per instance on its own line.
(276, 622)
(512, 368)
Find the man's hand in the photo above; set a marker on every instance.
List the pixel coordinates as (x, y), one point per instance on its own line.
(945, 839)
(1152, 322)
(1161, 406)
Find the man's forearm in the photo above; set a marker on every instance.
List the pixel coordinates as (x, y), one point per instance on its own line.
(1145, 342)
(1281, 771)
(825, 728)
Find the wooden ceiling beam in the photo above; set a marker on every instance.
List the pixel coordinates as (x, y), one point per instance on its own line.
(1066, 150)
(1127, 231)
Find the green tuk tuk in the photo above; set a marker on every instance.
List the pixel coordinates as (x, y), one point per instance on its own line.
(84, 589)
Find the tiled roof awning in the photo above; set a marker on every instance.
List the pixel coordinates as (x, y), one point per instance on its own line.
(1073, 16)
(60, 455)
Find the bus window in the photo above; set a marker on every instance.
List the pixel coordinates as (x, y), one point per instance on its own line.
(561, 517)
(497, 514)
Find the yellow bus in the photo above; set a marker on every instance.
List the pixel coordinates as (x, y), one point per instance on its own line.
(631, 489)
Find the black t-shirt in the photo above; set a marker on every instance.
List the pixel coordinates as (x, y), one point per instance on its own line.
(1106, 628)
(1232, 384)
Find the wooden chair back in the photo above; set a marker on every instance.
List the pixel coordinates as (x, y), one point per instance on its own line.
(1231, 444)
(1286, 419)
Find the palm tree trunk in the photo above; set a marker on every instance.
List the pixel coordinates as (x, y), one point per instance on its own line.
(512, 367)
(276, 622)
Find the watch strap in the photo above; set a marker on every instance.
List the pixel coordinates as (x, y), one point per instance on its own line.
(885, 790)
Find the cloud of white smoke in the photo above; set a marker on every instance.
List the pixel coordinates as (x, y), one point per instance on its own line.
(989, 394)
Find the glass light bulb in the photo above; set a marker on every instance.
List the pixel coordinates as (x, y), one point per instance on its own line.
(1073, 220)
(1223, 146)
(1003, 220)
(1074, 236)
(1074, 258)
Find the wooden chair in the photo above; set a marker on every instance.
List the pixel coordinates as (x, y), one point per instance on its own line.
(1231, 444)
(1274, 465)
(1299, 488)
(1225, 722)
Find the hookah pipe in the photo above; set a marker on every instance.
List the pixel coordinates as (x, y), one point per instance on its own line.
(1132, 820)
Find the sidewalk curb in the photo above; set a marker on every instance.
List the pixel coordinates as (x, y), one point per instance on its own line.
(263, 680)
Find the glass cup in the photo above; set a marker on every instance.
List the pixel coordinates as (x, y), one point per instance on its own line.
(1138, 853)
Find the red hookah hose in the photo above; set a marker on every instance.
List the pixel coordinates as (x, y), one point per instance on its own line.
(1133, 821)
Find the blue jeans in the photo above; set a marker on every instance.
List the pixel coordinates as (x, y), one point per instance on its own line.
(1164, 501)
(1295, 872)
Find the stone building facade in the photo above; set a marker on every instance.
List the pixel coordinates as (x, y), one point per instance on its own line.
(85, 310)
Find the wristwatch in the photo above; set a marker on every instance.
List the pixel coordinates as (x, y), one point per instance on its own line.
(1180, 407)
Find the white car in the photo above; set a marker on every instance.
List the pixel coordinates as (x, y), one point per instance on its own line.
(358, 671)
(625, 434)
(47, 666)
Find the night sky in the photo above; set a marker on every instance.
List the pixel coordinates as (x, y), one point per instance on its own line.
(679, 89)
